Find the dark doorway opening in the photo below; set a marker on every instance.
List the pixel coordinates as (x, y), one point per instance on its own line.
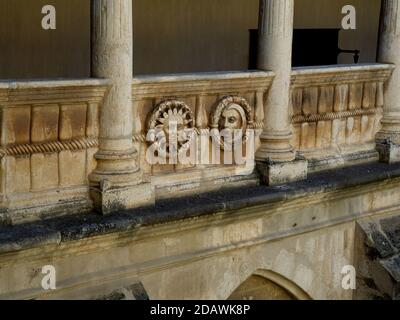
(311, 47)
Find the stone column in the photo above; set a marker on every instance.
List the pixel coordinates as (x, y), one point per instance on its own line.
(388, 139)
(276, 159)
(116, 183)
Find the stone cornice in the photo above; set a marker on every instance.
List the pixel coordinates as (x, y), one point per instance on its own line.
(341, 74)
(200, 83)
(13, 93)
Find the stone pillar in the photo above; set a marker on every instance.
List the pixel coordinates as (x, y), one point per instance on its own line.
(276, 159)
(116, 183)
(388, 139)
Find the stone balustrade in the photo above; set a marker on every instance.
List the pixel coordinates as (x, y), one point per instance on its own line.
(50, 130)
(49, 135)
(336, 113)
(202, 95)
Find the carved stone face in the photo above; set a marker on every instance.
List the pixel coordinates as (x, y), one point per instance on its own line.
(232, 118)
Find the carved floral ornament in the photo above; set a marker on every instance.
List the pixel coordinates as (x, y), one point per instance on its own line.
(168, 114)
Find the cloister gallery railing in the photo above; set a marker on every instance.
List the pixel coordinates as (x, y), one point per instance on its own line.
(337, 112)
(50, 130)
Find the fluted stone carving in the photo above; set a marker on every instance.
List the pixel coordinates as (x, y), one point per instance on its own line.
(388, 139)
(112, 58)
(275, 54)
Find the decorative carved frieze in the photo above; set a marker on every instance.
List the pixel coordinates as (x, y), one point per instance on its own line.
(329, 116)
(206, 94)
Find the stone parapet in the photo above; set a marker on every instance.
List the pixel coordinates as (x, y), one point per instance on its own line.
(336, 113)
(203, 96)
(49, 135)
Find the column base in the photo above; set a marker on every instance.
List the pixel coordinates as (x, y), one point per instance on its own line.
(389, 152)
(108, 198)
(277, 173)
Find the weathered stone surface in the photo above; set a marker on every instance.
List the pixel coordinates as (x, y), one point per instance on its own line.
(25, 237)
(275, 173)
(381, 263)
(168, 210)
(347, 117)
(391, 228)
(289, 229)
(388, 137)
(45, 137)
(382, 244)
(133, 292)
(392, 265)
(389, 152)
(110, 199)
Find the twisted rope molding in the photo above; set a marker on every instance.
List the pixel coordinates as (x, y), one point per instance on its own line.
(259, 124)
(71, 145)
(329, 116)
(49, 147)
(140, 137)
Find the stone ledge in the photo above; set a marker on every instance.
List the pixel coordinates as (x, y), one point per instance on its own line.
(64, 229)
(331, 75)
(27, 236)
(51, 83)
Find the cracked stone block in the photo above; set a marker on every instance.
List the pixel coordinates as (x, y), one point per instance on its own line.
(391, 227)
(392, 265)
(382, 244)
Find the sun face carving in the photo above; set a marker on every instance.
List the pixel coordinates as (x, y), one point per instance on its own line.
(172, 120)
(231, 115)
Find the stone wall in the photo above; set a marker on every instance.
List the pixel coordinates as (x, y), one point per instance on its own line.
(305, 234)
(327, 14)
(28, 51)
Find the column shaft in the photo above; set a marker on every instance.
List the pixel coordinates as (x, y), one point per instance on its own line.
(275, 54)
(116, 182)
(276, 159)
(112, 54)
(388, 139)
